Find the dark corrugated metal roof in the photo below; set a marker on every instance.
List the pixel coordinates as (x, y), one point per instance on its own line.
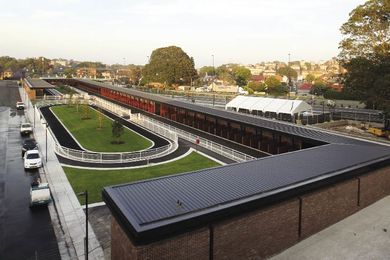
(152, 201)
(38, 83)
(149, 208)
(283, 127)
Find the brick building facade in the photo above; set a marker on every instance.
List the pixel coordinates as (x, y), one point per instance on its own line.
(266, 231)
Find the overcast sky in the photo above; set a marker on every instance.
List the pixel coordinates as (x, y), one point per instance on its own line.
(239, 31)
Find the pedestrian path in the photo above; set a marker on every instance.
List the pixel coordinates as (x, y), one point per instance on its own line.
(70, 213)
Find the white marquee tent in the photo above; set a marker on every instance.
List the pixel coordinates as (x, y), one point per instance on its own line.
(272, 105)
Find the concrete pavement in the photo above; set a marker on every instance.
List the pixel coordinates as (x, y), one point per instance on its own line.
(68, 208)
(364, 235)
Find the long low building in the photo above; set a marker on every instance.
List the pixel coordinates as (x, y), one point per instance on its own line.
(245, 210)
(36, 88)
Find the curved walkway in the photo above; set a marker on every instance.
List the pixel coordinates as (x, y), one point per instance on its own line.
(66, 140)
(184, 147)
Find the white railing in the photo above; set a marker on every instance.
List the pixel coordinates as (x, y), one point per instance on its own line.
(112, 107)
(210, 145)
(156, 126)
(91, 157)
(100, 157)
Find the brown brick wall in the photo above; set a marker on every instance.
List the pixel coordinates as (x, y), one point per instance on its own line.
(264, 232)
(192, 245)
(121, 247)
(327, 206)
(258, 234)
(374, 186)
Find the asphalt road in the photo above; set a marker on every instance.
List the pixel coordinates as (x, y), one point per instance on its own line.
(24, 233)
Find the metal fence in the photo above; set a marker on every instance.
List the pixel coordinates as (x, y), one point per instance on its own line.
(84, 156)
(210, 145)
(112, 107)
(100, 157)
(357, 116)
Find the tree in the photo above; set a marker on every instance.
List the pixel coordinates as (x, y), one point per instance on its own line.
(207, 70)
(319, 87)
(117, 132)
(170, 65)
(272, 82)
(367, 31)
(99, 118)
(256, 86)
(91, 64)
(241, 75)
(288, 72)
(369, 81)
(274, 86)
(85, 109)
(318, 90)
(225, 73)
(310, 78)
(365, 53)
(69, 72)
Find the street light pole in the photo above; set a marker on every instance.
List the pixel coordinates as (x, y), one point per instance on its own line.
(289, 77)
(34, 115)
(212, 88)
(85, 193)
(46, 140)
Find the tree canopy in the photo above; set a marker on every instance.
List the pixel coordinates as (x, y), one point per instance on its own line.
(170, 65)
(367, 31)
(365, 53)
(274, 86)
(288, 72)
(310, 78)
(207, 70)
(225, 73)
(117, 131)
(241, 75)
(369, 81)
(257, 86)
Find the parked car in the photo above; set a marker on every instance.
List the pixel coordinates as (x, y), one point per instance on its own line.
(39, 194)
(32, 159)
(29, 144)
(19, 105)
(25, 128)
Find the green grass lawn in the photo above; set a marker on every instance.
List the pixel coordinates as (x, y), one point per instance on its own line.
(65, 90)
(95, 180)
(90, 137)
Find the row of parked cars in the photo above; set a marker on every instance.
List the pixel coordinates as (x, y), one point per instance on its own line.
(30, 152)
(39, 192)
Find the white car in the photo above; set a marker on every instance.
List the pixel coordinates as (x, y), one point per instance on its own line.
(25, 128)
(40, 194)
(32, 159)
(20, 105)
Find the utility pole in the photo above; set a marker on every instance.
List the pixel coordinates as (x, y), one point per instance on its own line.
(288, 75)
(212, 88)
(43, 66)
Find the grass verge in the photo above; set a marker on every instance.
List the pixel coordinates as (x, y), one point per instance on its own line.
(91, 137)
(95, 180)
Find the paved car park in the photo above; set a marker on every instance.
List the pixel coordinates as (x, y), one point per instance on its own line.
(24, 233)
